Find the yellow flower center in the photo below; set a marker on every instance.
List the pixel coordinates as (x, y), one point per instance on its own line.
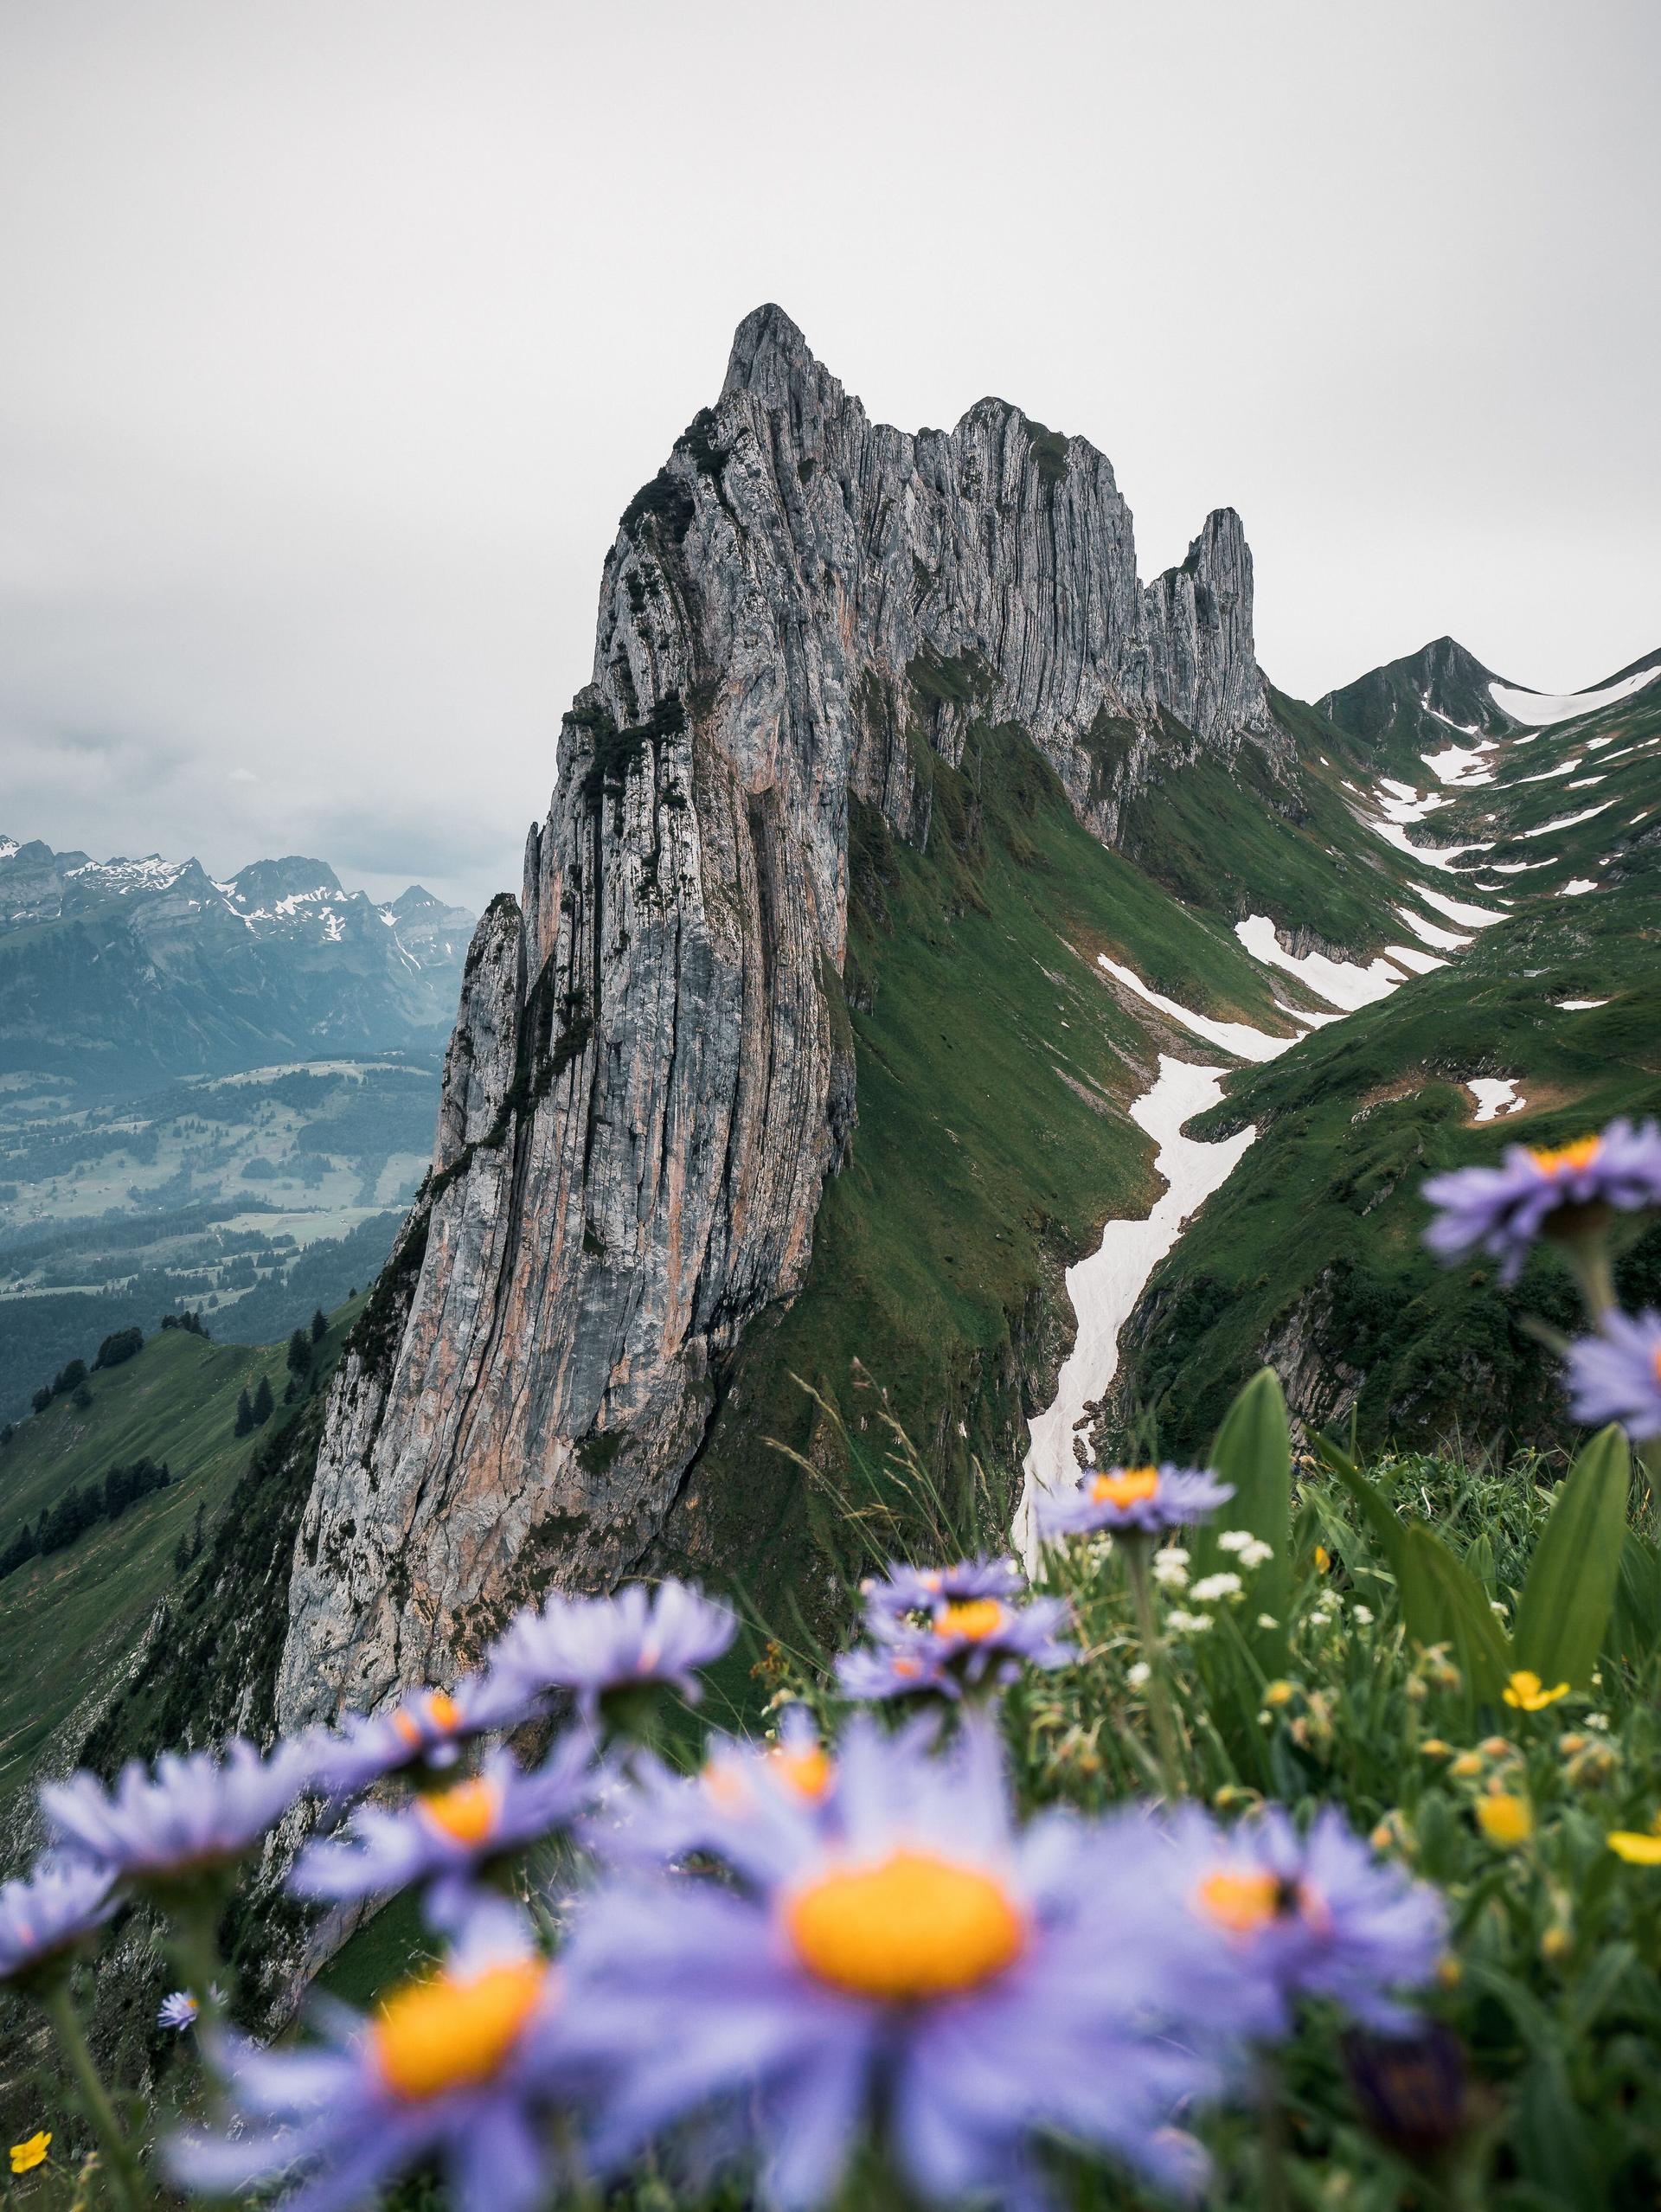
(1124, 1486)
(1243, 1903)
(441, 1712)
(31, 2153)
(466, 1814)
(443, 2033)
(912, 1927)
(807, 1773)
(1528, 1694)
(1565, 1158)
(976, 1618)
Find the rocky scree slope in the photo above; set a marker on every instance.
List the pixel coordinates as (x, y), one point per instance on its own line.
(805, 619)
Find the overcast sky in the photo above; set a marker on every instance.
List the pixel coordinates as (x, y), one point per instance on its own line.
(337, 333)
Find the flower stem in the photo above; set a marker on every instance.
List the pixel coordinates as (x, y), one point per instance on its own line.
(1274, 2189)
(1589, 1263)
(100, 2113)
(1153, 1650)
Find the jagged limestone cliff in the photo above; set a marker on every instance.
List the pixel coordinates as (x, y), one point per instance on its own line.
(651, 1074)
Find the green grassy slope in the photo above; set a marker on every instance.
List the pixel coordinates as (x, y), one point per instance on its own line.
(67, 1623)
(994, 1071)
(1311, 1252)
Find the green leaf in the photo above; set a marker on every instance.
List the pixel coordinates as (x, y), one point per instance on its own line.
(1384, 1525)
(1635, 1623)
(1443, 1603)
(1253, 1451)
(1573, 1576)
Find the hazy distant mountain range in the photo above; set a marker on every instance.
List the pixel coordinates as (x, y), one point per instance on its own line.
(118, 971)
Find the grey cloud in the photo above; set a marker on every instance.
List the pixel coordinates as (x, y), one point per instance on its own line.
(337, 339)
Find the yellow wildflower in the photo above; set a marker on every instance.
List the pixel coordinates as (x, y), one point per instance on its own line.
(1495, 1748)
(30, 2153)
(1467, 1766)
(1505, 1819)
(1529, 1694)
(1278, 1694)
(1433, 1748)
(1323, 1559)
(1637, 1849)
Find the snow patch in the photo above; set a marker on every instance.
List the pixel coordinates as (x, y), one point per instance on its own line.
(1569, 821)
(1421, 963)
(1494, 1097)
(1578, 888)
(1431, 933)
(1535, 709)
(1344, 983)
(1579, 1005)
(1456, 909)
(1455, 764)
(1238, 1037)
(1105, 1287)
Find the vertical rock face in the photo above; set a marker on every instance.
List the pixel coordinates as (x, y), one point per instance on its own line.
(651, 1074)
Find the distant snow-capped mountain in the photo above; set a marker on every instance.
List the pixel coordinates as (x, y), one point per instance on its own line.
(124, 968)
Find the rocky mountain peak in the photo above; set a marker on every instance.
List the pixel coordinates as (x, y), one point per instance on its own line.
(652, 1074)
(265, 882)
(771, 359)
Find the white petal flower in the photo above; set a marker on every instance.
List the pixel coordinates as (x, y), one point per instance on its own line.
(1139, 1674)
(1170, 1568)
(1213, 1589)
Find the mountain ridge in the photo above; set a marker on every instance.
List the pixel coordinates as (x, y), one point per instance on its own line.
(119, 971)
(812, 628)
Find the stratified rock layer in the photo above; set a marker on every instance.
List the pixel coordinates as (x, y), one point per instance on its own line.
(651, 1074)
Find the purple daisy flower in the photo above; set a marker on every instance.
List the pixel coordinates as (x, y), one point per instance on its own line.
(906, 1590)
(1617, 1376)
(1148, 1501)
(189, 1817)
(982, 1643)
(1308, 1915)
(914, 1669)
(464, 2065)
(929, 1969)
(448, 1839)
(1561, 1192)
(428, 1728)
(180, 2010)
(747, 1807)
(595, 1646)
(49, 1914)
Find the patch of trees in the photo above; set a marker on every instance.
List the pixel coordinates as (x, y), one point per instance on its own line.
(253, 1412)
(191, 1322)
(56, 1527)
(69, 1381)
(121, 1345)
